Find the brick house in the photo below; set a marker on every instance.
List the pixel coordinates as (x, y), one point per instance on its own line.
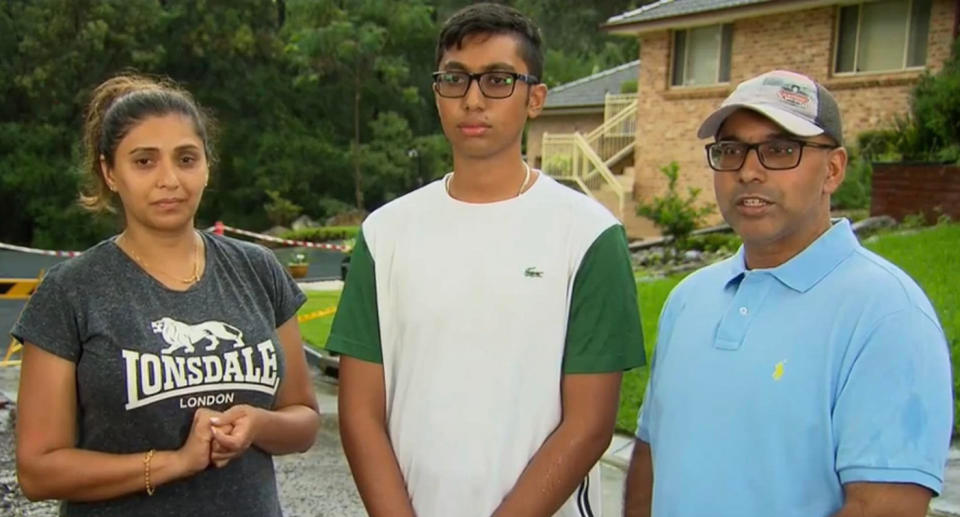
(694, 52)
(576, 106)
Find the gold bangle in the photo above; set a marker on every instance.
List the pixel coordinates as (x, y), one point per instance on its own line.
(146, 471)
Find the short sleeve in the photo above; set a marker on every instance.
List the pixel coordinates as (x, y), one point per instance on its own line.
(893, 415)
(643, 414)
(356, 327)
(604, 332)
(287, 296)
(49, 320)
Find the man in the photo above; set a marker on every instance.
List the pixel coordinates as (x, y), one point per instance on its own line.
(805, 376)
(487, 317)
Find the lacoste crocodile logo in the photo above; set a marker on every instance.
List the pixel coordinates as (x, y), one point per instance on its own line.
(532, 272)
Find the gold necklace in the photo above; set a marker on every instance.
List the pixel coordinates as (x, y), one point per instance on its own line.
(143, 263)
(526, 178)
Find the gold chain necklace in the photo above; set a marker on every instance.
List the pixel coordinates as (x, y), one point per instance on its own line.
(526, 178)
(143, 263)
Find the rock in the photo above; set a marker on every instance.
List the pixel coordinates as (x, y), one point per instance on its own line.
(303, 222)
(692, 255)
(872, 224)
(649, 257)
(350, 218)
(277, 231)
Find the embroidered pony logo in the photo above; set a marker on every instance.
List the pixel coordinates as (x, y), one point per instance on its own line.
(778, 370)
(181, 336)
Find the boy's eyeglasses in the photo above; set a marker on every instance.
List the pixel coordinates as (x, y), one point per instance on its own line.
(493, 85)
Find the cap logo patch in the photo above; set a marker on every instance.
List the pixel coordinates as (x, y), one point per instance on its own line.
(793, 94)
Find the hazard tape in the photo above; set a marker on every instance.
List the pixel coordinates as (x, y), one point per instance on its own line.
(302, 318)
(261, 236)
(17, 288)
(288, 242)
(35, 251)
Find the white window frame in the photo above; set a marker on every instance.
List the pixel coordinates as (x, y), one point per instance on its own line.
(686, 54)
(856, 44)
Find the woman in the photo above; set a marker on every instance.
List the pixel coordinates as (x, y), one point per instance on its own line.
(163, 351)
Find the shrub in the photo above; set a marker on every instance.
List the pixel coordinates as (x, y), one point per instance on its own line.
(931, 132)
(280, 211)
(913, 221)
(714, 242)
(675, 215)
(558, 165)
(322, 233)
(854, 192)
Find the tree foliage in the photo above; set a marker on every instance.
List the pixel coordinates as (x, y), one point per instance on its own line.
(321, 104)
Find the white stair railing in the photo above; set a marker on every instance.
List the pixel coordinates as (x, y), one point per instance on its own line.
(585, 160)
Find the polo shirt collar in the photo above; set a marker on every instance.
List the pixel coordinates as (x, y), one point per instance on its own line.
(811, 265)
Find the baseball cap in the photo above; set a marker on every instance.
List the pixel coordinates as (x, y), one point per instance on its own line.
(794, 101)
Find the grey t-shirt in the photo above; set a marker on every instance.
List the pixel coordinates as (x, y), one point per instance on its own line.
(147, 357)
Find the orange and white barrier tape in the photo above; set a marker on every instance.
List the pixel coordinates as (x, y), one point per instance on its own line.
(278, 240)
(219, 228)
(35, 251)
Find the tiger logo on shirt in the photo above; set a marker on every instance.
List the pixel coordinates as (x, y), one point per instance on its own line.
(182, 336)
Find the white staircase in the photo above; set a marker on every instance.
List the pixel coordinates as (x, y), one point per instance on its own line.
(587, 162)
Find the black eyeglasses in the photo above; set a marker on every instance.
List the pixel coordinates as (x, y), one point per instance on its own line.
(775, 155)
(493, 85)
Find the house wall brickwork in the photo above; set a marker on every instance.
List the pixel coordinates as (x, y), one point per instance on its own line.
(803, 41)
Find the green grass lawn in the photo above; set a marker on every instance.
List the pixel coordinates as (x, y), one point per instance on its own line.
(931, 256)
(315, 331)
(650, 296)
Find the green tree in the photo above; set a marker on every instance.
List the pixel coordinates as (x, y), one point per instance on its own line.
(359, 47)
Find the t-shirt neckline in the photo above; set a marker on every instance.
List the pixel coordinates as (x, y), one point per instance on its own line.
(535, 185)
(208, 264)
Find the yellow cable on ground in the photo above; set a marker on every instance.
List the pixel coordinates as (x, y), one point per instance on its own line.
(303, 318)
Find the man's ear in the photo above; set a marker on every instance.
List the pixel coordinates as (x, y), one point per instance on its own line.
(836, 170)
(535, 100)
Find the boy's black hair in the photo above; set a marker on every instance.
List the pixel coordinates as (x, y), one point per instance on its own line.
(488, 18)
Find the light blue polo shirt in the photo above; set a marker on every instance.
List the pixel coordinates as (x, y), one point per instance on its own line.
(770, 388)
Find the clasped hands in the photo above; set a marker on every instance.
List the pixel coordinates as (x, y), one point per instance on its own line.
(217, 438)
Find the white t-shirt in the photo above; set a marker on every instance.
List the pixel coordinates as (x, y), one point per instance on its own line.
(476, 311)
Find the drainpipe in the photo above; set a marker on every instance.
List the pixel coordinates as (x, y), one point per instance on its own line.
(956, 20)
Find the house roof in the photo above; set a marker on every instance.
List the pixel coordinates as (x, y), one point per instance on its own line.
(671, 8)
(671, 14)
(591, 90)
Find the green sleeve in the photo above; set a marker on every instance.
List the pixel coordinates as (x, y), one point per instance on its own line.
(604, 332)
(356, 327)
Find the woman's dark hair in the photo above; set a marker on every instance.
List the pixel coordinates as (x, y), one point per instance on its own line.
(487, 18)
(117, 106)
